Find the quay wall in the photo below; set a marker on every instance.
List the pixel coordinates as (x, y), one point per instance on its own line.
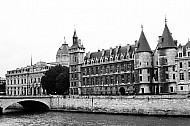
(147, 105)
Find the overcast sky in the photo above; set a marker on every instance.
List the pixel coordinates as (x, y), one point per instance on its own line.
(38, 27)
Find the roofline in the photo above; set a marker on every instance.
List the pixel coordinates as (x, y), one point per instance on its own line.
(166, 47)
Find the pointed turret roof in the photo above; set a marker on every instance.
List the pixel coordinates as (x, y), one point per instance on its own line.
(75, 34)
(167, 39)
(143, 45)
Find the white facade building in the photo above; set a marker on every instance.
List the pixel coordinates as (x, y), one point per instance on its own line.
(26, 80)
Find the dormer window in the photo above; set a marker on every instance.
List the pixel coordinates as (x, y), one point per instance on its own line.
(96, 60)
(88, 61)
(92, 61)
(111, 58)
(116, 57)
(106, 59)
(122, 56)
(101, 60)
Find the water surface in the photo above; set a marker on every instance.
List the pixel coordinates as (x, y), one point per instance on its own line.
(87, 119)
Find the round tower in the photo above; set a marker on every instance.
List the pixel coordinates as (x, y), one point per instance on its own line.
(167, 49)
(143, 66)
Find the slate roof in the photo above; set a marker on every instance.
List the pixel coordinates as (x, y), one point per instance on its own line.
(75, 34)
(187, 45)
(121, 50)
(167, 39)
(64, 49)
(77, 44)
(143, 45)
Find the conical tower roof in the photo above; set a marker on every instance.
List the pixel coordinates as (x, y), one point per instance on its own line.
(75, 34)
(167, 39)
(143, 45)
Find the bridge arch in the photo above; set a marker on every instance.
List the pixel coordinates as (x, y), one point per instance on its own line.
(28, 104)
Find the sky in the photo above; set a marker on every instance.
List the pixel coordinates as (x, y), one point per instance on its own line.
(36, 28)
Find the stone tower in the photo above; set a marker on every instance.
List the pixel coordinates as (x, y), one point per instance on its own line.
(166, 62)
(143, 66)
(76, 52)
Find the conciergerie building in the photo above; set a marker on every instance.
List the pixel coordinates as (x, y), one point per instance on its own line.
(131, 69)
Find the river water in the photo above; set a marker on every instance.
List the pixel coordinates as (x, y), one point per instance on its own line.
(87, 119)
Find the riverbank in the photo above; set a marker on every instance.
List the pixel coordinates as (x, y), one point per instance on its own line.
(161, 105)
(157, 105)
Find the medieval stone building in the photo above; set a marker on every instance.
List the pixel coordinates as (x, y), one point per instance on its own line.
(131, 69)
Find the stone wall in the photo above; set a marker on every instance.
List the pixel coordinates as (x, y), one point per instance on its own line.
(149, 105)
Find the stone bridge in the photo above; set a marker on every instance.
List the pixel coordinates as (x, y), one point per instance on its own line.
(28, 102)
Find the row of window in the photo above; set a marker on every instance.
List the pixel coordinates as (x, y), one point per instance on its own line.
(181, 54)
(141, 77)
(120, 67)
(23, 81)
(23, 91)
(181, 64)
(124, 78)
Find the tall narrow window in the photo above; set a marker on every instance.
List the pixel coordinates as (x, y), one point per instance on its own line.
(188, 54)
(148, 71)
(181, 88)
(181, 76)
(180, 65)
(140, 71)
(122, 78)
(140, 78)
(180, 54)
(173, 68)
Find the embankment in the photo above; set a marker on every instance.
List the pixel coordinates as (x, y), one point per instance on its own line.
(148, 105)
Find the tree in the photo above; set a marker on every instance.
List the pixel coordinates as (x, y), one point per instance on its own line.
(56, 80)
(62, 85)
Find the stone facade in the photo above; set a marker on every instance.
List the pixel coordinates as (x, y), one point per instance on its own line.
(109, 72)
(26, 80)
(166, 105)
(182, 62)
(76, 52)
(132, 69)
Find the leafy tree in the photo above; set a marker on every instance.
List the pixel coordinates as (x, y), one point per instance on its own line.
(62, 84)
(56, 80)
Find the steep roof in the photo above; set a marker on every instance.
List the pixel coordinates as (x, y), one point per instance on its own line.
(121, 50)
(143, 45)
(75, 34)
(76, 42)
(167, 39)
